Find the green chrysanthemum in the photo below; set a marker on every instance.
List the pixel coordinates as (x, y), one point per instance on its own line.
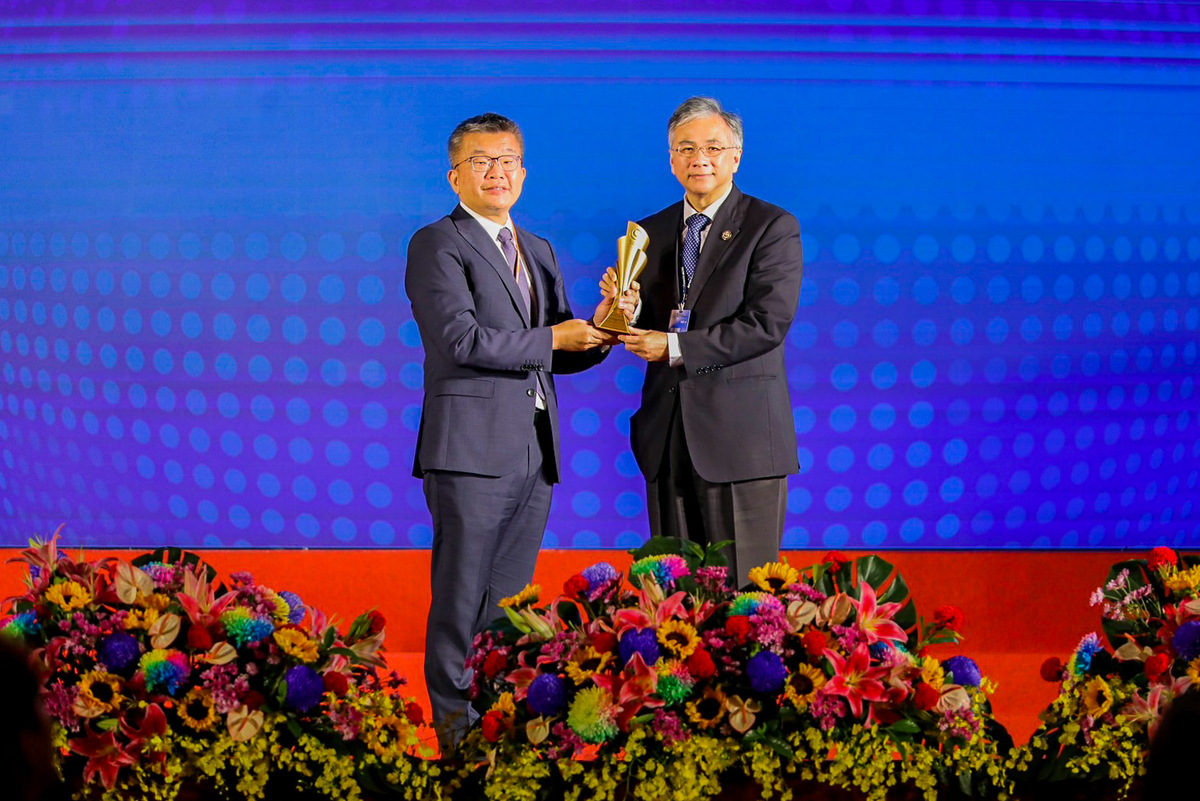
(673, 690)
(593, 716)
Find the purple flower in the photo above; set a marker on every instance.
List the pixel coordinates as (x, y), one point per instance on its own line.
(547, 695)
(963, 670)
(643, 641)
(767, 672)
(1187, 640)
(119, 651)
(295, 607)
(600, 577)
(304, 688)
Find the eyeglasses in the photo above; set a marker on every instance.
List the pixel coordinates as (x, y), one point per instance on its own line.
(712, 151)
(484, 163)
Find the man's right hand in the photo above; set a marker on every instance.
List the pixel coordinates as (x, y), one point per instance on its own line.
(578, 335)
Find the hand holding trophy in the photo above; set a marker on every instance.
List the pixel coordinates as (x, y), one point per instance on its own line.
(631, 260)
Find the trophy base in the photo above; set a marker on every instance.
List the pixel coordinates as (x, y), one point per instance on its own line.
(615, 322)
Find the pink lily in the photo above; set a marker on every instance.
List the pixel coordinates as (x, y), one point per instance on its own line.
(631, 689)
(875, 619)
(105, 756)
(854, 679)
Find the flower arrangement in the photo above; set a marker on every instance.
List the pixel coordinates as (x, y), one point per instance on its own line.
(1112, 695)
(156, 675)
(671, 684)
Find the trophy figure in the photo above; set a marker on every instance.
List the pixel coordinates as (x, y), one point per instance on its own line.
(631, 260)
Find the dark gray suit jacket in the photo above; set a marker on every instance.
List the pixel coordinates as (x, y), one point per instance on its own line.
(482, 352)
(732, 388)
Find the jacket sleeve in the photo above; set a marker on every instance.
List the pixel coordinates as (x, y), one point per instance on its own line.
(762, 320)
(440, 288)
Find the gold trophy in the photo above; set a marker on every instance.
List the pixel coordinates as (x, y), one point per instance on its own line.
(631, 260)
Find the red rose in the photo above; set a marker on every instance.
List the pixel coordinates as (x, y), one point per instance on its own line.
(254, 699)
(738, 627)
(1162, 557)
(604, 643)
(700, 664)
(836, 558)
(575, 585)
(493, 726)
(415, 713)
(948, 617)
(815, 643)
(1052, 669)
(1157, 665)
(199, 638)
(378, 621)
(494, 664)
(926, 697)
(336, 682)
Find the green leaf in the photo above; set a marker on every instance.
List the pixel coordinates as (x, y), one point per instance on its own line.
(904, 726)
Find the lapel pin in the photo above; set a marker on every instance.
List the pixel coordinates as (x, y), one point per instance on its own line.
(726, 236)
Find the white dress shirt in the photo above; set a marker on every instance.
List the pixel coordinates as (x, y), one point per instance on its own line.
(674, 356)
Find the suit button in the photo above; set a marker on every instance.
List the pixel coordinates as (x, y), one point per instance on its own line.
(529, 392)
(671, 390)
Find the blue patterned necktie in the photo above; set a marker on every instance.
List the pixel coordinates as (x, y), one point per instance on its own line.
(691, 247)
(509, 249)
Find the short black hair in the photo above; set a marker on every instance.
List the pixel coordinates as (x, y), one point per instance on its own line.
(484, 123)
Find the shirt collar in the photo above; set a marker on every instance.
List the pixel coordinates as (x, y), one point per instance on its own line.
(492, 228)
(711, 211)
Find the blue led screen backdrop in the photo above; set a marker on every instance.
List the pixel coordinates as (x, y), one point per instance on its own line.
(205, 208)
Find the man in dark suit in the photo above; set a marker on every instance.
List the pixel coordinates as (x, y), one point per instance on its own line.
(714, 436)
(489, 301)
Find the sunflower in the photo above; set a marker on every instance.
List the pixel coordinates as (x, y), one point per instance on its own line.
(1193, 671)
(585, 663)
(529, 595)
(774, 576)
(297, 645)
(1097, 697)
(932, 673)
(802, 685)
(196, 709)
(99, 692)
(68, 595)
(707, 710)
(141, 619)
(680, 637)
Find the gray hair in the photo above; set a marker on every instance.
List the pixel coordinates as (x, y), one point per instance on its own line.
(695, 108)
(484, 123)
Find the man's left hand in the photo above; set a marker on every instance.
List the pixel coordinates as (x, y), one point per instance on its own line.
(649, 345)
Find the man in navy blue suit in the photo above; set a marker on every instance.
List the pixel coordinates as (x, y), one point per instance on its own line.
(714, 436)
(489, 300)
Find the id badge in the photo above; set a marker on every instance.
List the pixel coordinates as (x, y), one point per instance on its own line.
(679, 320)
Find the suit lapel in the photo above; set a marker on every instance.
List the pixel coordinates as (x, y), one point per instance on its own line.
(473, 232)
(724, 229)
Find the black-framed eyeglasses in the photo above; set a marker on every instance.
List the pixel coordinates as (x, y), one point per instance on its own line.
(712, 151)
(484, 163)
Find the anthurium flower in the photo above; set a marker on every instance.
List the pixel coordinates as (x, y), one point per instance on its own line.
(854, 679)
(742, 712)
(875, 619)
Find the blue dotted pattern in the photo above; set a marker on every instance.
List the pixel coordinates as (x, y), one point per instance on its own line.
(953, 385)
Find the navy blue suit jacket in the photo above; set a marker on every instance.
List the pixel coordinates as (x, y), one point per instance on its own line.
(732, 389)
(482, 350)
